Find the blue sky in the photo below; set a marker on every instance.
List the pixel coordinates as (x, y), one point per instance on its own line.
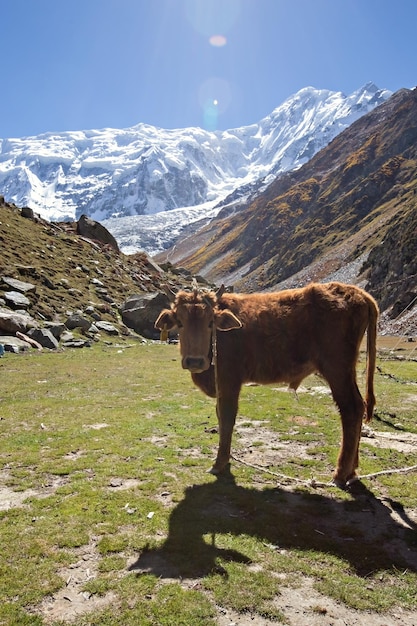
(217, 64)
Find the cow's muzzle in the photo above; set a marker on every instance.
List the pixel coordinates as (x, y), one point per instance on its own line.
(195, 364)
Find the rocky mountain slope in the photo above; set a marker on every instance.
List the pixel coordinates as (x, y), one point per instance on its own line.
(349, 213)
(144, 170)
(61, 277)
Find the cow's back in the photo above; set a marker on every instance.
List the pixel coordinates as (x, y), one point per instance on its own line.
(290, 334)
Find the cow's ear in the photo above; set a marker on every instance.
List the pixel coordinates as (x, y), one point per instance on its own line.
(226, 320)
(166, 320)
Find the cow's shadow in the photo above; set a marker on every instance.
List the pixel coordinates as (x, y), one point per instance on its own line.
(363, 530)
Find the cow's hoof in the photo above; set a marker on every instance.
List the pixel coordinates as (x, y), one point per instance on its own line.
(219, 470)
(341, 484)
(352, 480)
(345, 484)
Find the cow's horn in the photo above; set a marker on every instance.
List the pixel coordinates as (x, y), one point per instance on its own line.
(169, 292)
(194, 285)
(220, 291)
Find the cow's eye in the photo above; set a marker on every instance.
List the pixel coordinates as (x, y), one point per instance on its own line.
(211, 324)
(179, 324)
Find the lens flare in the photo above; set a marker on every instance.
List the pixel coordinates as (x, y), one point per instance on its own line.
(214, 96)
(218, 41)
(210, 117)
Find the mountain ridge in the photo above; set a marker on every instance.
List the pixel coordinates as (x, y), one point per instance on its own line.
(144, 170)
(353, 205)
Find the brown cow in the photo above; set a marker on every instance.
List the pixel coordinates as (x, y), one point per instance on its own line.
(279, 337)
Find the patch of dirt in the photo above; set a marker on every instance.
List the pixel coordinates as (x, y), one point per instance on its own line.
(189, 453)
(10, 499)
(304, 606)
(73, 455)
(72, 601)
(402, 441)
(122, 484)
(160, 442)
(264, 447)
(71, 604)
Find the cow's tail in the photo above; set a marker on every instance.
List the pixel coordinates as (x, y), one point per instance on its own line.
(371, 358)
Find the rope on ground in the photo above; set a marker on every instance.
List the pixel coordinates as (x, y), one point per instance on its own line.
(400, 470)
(312, 482)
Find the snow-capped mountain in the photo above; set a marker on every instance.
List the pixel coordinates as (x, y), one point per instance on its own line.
(144, 170)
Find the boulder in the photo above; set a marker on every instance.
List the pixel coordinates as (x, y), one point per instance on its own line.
(67, 336)
(27, 212)
(95, 231)
(56, 328)
(75, 320)
(44, 337)
(11, 321)
(13, 344)
(30, 341)
(140, 311)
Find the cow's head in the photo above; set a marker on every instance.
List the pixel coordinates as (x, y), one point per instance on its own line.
(196, 315)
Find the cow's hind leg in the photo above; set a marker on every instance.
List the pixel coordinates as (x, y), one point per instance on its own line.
(352, 408)
(226, 414)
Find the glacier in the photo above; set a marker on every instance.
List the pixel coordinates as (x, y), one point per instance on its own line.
(146, 184)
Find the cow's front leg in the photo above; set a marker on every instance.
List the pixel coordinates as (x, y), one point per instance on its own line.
(226, 409)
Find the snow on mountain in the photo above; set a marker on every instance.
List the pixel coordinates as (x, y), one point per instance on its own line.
(135, 173)
(158, 231)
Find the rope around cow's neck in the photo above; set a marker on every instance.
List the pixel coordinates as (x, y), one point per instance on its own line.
(214, 362)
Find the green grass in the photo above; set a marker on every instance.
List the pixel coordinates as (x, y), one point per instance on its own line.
(110, 447)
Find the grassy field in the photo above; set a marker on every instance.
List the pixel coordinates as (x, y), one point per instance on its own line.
(108, 516)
